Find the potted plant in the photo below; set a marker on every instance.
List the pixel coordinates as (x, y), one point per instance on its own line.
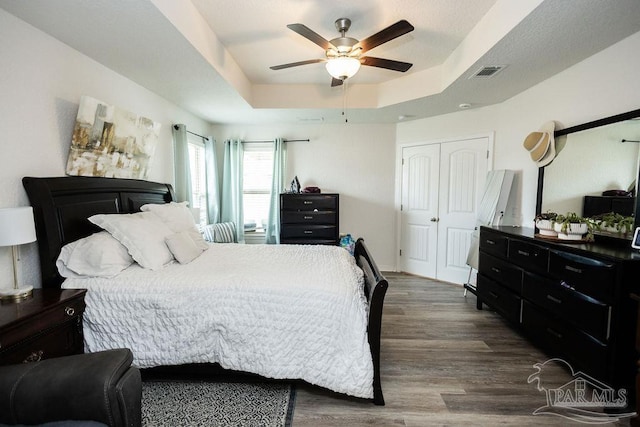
(573, 227)
(544, 223)
(615, 223)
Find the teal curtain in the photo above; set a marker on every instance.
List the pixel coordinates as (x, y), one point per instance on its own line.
(212, 183)
(231, 200)
(182, 186)
(272, 233)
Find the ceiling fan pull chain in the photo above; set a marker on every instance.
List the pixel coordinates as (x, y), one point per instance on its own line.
(344, 101)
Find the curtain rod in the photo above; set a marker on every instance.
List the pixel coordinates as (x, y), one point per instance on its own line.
(192, 133)
(285, 140)
(250, 142)
(195, 134)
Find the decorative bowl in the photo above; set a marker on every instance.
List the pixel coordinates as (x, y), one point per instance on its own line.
(574, 231)
(546, 227)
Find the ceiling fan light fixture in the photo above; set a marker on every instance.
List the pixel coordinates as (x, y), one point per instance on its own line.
(342, 67)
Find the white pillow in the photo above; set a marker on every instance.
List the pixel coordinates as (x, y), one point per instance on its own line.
(143, 234)
(178, 217)
(183, 247)
(98, 255)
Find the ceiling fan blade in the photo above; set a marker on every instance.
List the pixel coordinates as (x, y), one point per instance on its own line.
(295, 64)
(336, 82)
(389, 64)
(308, 33)
(391, 32)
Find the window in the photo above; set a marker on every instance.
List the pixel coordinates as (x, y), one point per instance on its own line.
(257, 173)
(198, 176)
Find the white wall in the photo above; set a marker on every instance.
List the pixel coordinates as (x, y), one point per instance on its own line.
(606, 84)
(353, 160)
(40, 87)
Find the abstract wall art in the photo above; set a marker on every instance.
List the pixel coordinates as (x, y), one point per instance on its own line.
(110, 142)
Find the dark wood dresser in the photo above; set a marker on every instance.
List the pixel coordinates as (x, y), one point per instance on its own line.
(46, 325)
(570, 299)
(309, 218)
(596, 205)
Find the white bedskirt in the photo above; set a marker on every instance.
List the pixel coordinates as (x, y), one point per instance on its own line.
(280, 311)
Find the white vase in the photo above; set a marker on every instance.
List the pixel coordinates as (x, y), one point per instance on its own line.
(574, 231)
(545, 226)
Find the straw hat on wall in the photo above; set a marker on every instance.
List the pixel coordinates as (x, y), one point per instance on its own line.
(541, 145)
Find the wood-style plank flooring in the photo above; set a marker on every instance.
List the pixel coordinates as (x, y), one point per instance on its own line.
(444, 363)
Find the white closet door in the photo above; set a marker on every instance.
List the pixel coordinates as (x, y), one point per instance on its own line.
(441, 191)
(463, 170)
(419, 229)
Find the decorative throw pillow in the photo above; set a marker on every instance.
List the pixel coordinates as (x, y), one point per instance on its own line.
(183, 248)
(222, 232)
(178, 217)
(142, 233)
(98, 255)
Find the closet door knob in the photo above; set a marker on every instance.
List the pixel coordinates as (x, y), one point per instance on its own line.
(434, 219)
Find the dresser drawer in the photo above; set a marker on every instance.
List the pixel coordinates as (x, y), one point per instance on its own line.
(589, 276)
(499, 298)
(562, 340)
(501, 271)
(308, 231)
(312, 217)
(45, 319)
(493, 243)
(581, 311)
(308, 202)
(62, 340)
(528, 255)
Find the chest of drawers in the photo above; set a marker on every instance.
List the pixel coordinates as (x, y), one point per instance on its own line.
(572, 300)
(309, 218)
(47, 325)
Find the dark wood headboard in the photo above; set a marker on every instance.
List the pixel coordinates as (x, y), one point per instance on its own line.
(61, 206)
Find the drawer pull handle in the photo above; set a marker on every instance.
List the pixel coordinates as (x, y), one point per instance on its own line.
(308, 217)
(566, 285)
(308, 202)
(554, 299)
(554, 333)
(491, 242)
(308, 232)
(36, 356)
(495, 270)
(494, 295)
(573, 269)
(524, 253)
(69, 311)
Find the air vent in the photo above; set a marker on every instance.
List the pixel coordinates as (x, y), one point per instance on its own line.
(486, 72)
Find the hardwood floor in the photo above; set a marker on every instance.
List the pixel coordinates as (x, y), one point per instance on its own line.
(444, 363)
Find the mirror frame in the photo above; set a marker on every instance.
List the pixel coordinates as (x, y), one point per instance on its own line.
(590, 125)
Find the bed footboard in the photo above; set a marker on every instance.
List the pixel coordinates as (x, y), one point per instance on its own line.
(375, 288)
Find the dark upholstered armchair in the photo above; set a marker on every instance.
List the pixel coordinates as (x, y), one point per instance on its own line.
(99, 387)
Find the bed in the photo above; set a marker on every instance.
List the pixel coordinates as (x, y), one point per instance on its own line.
(62, 206)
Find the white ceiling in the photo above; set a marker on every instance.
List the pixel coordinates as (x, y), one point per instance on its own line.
(212, 57)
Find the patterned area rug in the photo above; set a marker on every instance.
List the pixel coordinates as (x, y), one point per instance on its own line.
(190, 403)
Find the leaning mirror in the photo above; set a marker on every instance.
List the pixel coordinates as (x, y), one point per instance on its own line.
(595, 171)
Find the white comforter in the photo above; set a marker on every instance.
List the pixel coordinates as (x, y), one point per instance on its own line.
(281, 311)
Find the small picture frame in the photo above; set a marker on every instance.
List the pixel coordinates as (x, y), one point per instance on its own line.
(635, 243)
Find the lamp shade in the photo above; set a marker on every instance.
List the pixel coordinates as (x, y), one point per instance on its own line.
(16, 226)
(343, 67)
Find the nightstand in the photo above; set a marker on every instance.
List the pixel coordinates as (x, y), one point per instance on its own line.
(49, 324)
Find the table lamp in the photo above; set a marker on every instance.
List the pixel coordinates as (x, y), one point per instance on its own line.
(16, 228)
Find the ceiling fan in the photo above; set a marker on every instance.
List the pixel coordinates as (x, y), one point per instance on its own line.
(344, 54)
